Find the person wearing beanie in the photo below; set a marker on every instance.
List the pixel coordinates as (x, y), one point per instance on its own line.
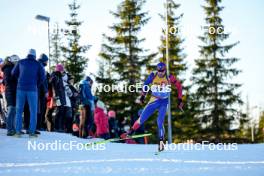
(10, 84)
(43, 59)
(101, 120)
(32, 53)
(42, 94)
(113, 124)
(112, 114)
(59, 68)
(87, 103)
(74, 102)
(29, 74)
(60, 98)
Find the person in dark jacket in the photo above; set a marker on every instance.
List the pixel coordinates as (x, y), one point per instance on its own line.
(42, 94)
(2, 100)
(49, 115)
(61, 98)
(10, 83)
(75, 100)
(113, 124)
(68, 106)
(30, 74)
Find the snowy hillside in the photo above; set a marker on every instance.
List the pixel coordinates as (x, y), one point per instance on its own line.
(122, 159)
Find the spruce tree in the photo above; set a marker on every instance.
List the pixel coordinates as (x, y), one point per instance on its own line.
(56, 46)
(260, 132)
(105, 77)
(244, 123)
(75, 61)
(124, 56)
(216, 94)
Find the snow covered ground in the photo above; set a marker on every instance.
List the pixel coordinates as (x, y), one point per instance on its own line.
(121, 159)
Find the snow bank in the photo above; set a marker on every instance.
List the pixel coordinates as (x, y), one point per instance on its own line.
(123, 159)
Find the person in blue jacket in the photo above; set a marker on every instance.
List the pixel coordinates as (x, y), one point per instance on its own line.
(87, 101)
(30, 74)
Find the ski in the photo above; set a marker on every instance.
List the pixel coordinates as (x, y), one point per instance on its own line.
(158, 152)
(118, 139)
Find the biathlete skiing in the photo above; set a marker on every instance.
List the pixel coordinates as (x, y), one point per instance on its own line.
(160, 84)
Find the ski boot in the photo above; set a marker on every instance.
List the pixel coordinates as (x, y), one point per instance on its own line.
(131, 131)
(127, 134)
(161, 145)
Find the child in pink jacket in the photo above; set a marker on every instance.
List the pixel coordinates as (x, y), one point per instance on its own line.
(101, 120)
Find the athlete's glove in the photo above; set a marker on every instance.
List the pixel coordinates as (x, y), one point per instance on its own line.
(142, 99)
(180, 104)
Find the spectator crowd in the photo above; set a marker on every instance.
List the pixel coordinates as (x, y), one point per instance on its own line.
(33, 100)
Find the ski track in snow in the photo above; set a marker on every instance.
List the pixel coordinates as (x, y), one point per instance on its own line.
(124, 159)
(8, 165)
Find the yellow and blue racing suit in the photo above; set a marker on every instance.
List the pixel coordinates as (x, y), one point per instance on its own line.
(160, 88)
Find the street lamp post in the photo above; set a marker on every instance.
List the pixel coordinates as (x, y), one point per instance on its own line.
(168, 72)
(46, 19)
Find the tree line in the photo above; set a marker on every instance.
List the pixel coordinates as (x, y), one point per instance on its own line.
(212, 100)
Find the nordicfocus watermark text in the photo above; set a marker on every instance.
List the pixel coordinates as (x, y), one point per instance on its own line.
(132, 88)
(205, 145)
(58, 145)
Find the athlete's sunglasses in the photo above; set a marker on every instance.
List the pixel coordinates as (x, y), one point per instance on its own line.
(161, 70)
